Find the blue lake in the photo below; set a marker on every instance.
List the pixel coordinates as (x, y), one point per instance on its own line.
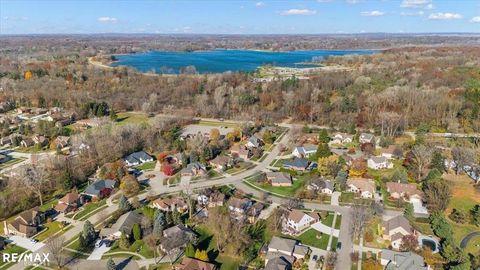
(218, 61)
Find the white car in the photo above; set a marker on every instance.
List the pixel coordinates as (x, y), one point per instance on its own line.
(98, 243)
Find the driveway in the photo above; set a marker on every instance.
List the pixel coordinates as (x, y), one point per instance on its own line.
(97, 253)
(318, 252)
(335, 198)
(26, 243)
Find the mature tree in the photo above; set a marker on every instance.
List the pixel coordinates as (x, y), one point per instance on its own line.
(323, 150)
(475, 213)
(187, 195)
(371, 264)
(111, 264)
(437, 194)
(328, 165)
(151, 241)
(123, 204)
(360, 216)
(323, 136)
(458, 216)
(400, 176)
(89, 234)
(440, 226)
(409, 243)
(33, 177)
(55, 246)
(358, 168)
(129, 185)
(214, 134)
(331, 260)
(422, 155)
(159, 223)
(438, 161)
(124, 242)
(293, 203)
(463, 156)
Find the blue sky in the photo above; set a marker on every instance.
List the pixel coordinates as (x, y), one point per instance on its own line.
(238, 16)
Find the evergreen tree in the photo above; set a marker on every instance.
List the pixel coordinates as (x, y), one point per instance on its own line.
(176, 217)
(159, 224)
(323, 136)
(323, 150)
(438, 162)
(67, 180)
(137, 232)
(111, 264)
(89, 233)
(168, 218)
(81, 241)
(124, 242)
(408, 213)
(123, 204)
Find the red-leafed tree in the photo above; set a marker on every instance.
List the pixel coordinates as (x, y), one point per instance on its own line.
(168, 169)
(161, 157)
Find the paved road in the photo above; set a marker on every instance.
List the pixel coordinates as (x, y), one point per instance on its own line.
(469, 237)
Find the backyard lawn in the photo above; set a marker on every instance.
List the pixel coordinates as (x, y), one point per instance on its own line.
(90, 209)
(314, 238)
(217, 124)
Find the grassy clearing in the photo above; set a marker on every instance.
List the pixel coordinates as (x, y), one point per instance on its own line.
(51, 228)
(217, 124)
(314, 238)
(125, 118)
(90, 209)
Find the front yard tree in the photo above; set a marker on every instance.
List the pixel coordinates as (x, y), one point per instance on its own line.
(33, 177)
(360, 216)
(323, 150)
(111, 264)
(159, 223)
(129, 185)
(331, 260)
(54, 246)
(437, 194)
(438, 161)
(89, 233)
(123, 204)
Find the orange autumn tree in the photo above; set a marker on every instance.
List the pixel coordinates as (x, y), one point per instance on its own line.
(28, 75)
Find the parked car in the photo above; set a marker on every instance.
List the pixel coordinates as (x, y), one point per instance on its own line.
(98, 243)
(339, 245)
(315, 257)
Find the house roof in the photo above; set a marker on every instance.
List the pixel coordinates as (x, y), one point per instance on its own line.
(138, 157)
(298, 163)
(296, 215)
(396, 222)
(97, 186)
(306, 149)
(403, 260)
(61, 207)
(194, 264)
(362, 184)
(124, 223)
(366, 136)
(323, 183)
(193, 166)
(220, 160)
(255, 141)
(180, 228)
(282, 244)
(238, 203)
(279, 262)
(379, 159)
(169, 202)
(409, 189)
(29, 215)
(70, 198)
(279, 177)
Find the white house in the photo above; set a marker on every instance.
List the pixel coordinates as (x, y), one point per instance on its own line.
(304, 151)
(378, 163)
(138, 158)
(341, 138)
(365, 187)
(297, 221)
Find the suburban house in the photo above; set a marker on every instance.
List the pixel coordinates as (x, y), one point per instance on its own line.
(321, 184)
(220, 163)
(239, 206)
(100, 189)
(396, 260)
(27, 142)
(211, 198)
(396, 228)
(69, 203)
(40, 140)
(279, 179)
(362, 186)
(366, 138)
(297, 164)
(194, 264)
(170, 204)
(26, 224)
(304, 151)
(138, 158)
(254, 142)
(403, 191)
(62, 141)
(297, 221)
(123, 225)
(176, 238)
(341, 139)
(283, 252)
(194, 169)
(378, 163)
(240, 151)
(391, 152)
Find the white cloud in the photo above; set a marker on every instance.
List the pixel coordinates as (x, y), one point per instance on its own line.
(427, 4)
(374, 13)
(295, 11)
(475, 19)
(353, 2)
(107, 19)
(445, 16)
(260, 4)
(324, 1)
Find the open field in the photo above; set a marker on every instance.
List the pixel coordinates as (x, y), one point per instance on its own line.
(125, 118)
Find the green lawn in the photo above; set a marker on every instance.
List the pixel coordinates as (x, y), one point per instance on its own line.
(90, 209)
(217, 124)
(51, 228)
(49, 205)
(347, 197)
(207, 242)
(285, 191)
(124, 118)
(338, 222)
(314, 238)
(11, 249)
(240, 166)
(136, 247)
(147, 166)
(329, 219)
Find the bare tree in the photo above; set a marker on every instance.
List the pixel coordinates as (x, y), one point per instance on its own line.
(54, 246)
(331, 260)
(422, 155)
(187, 194)
(33, 177)
(463, 156)
(360, 216)
(293, 203)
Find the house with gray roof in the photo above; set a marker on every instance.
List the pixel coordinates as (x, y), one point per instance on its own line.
(282, 250)
(194, 169)
(279, 179)
(100, 188)
(138, 158)
(367, 138)
(321, 184)
(297, 164)
(378, 163)
(254, 142)
(123, 225)
(394, 260)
